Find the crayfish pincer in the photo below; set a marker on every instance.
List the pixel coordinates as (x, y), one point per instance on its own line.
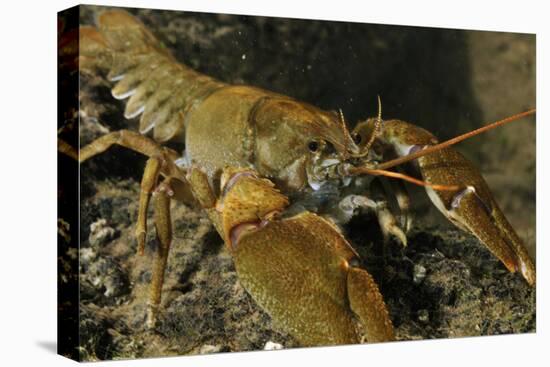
(279, 190)
(319, 302)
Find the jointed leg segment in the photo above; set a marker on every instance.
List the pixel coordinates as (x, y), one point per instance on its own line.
(160, 162)
(404, 203)
(163, 227)
(148, 182)
(379, 206)
(126, 138)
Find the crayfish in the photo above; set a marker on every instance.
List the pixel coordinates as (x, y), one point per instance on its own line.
(278, 178)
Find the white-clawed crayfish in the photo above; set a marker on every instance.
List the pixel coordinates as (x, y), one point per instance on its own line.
(277, 177)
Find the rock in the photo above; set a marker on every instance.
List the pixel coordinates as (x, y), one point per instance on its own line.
(98, 329)
(100, 233)
(106, 275)
(423, 316)
(419, 273)
(87, 255)
(272, 346)
(209, 349)
(94, 335)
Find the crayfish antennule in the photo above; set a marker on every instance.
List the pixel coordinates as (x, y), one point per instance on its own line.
(379, 109)
(377, 124)
(341, 114)
(347, 135)
(376, 131)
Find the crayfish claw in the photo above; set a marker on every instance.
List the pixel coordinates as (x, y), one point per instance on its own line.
(298, 268)
(474, 209)
(366, 301)
(471, 207)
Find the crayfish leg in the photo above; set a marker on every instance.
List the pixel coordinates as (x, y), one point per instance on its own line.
(404, 203)
(386, 218)
(125, 138)
(174, 186)
(148, 182)
(163, 225)
(347, 207)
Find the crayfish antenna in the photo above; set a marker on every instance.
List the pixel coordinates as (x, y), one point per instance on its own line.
(353, 171)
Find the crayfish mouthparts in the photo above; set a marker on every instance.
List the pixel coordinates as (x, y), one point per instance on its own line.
(325, 170)
(347, 169)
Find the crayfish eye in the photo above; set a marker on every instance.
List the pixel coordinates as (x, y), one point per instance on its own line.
(313, 146)
(357, 138)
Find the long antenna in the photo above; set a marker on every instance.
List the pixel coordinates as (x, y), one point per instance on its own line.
(448, 143)
(379, 172)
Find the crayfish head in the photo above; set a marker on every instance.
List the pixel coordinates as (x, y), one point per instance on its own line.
(299, 145)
